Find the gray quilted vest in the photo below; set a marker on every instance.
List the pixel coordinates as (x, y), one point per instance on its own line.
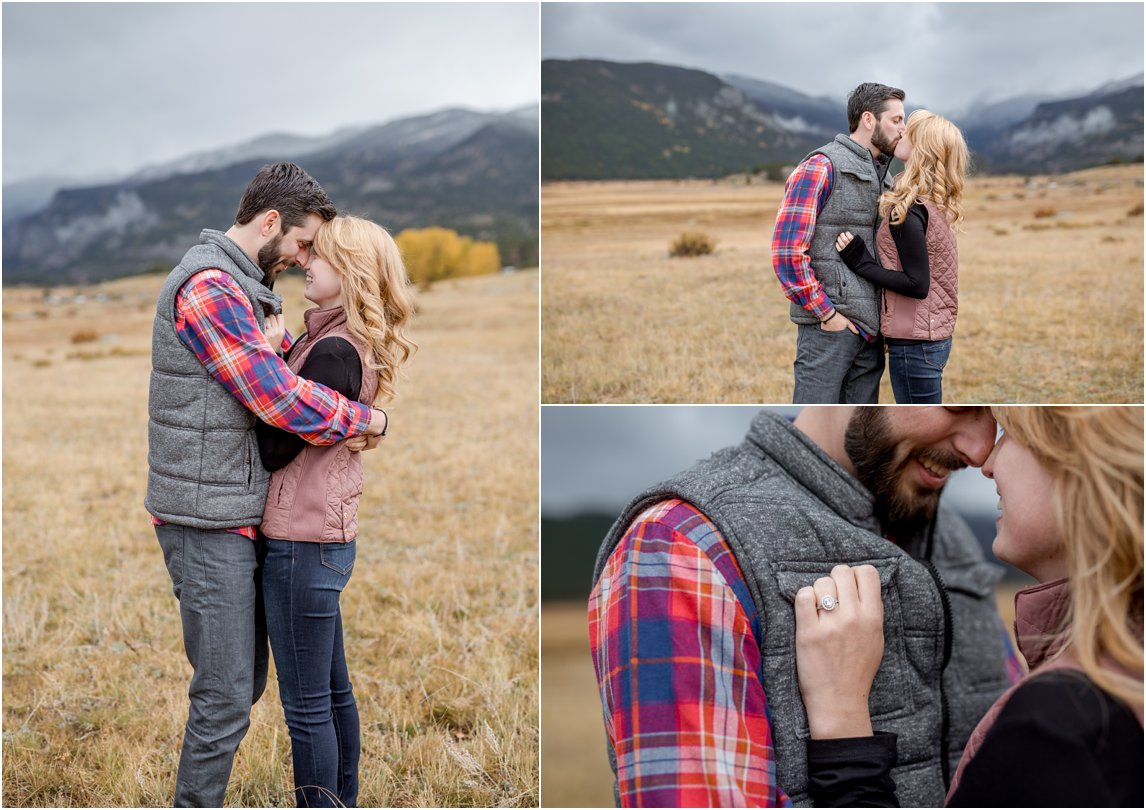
(852, 206)
(790, 513)
(204, 466)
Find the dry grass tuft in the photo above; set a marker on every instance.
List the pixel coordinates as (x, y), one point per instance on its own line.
(1044, 212)
(618, 326)
(85, 336)
(440, 614)
(692, 243)
(1136, 211)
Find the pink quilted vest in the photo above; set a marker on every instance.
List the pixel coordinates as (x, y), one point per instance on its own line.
(315, 497)
(932, 318)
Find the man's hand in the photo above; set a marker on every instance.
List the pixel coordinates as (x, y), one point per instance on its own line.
(379, 422)
(366, 441)
(838, 323)
(274, 327)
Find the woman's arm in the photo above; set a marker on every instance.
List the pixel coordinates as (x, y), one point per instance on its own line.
(333, 362)
(910, 242)
(1058, 742)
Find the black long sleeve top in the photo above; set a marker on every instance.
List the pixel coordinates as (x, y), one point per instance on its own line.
(1059, 741)
(910, 239)
(333, 362)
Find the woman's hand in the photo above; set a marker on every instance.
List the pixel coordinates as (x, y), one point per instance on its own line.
(274, 327)
(838, 651)
(843, 240)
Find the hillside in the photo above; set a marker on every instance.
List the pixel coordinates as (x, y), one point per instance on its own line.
(473, 172)
(609, 120)
(606, 120)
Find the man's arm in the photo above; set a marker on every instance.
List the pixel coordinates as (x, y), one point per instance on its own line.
(674, 639)
(213, 318)
(805, 193)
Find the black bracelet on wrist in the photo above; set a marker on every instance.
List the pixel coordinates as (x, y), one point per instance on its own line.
(387, 425)
(825, 320)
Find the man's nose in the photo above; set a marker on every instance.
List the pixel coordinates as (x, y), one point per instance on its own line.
(976, 437)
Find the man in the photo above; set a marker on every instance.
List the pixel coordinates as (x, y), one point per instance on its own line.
(691, 618)
(214, 374)
(839, 357)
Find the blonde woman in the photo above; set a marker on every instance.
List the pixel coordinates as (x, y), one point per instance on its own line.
(354, 343)
(1070, 733)
(918, 263)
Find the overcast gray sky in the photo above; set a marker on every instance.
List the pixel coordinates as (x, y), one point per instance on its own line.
(945, 55)
(596, 458)
(92, 88)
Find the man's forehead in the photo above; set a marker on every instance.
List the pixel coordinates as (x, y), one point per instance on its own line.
(306, 231)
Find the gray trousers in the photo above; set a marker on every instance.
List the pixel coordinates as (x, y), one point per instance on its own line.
(836, 368)
(216, 578)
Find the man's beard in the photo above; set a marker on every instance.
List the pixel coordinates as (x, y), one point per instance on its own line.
(881, 142)
(901, 506)
(269, 257)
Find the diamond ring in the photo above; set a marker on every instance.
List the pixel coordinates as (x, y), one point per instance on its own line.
(827, 602)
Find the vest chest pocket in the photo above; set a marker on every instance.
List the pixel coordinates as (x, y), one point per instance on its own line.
(891, 692)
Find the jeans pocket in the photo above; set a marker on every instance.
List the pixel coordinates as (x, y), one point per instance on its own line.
(171, 541)
(935, 353)
(338, 556)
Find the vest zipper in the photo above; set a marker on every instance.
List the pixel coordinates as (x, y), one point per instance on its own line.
(944, 746)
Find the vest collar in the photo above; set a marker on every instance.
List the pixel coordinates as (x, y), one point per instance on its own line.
(319, 322)
(234, 253)
(814, 469)
(1040, 615)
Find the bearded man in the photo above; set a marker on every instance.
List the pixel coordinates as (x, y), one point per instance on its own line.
(839, 356)
(691, 617)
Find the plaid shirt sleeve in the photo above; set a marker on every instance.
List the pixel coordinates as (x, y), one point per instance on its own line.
(805, 193)
(213, 318)
(673, 631)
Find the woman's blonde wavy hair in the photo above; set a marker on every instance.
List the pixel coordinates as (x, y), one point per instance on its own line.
(375, 293)
(935, 171)
(1095, 457)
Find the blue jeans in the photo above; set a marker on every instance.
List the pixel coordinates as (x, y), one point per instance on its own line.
(836, 368)
(215, 576)
(302, 583)
(916, 370)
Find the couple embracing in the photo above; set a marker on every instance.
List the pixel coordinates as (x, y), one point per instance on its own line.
(799, 619)
(868, 261)
(255, 473)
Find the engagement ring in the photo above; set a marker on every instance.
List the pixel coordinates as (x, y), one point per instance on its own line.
(828, 602)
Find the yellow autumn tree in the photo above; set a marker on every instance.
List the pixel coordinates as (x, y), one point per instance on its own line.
(433, 254)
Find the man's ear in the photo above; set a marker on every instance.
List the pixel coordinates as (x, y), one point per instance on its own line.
(867, 119)
(271, 220)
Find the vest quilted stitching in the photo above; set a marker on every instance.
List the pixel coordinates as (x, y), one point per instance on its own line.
(932, 318)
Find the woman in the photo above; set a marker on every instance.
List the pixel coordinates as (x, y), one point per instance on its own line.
(354, 343)
(1070, 733)
(916, 240)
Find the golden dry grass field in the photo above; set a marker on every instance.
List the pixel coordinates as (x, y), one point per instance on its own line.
(574, 762)
(1050, 310)
(440, 614)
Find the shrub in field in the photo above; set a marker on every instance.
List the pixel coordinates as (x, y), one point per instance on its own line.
(1136, 211)
(85, 336)
(434, 254)
(692, 243)
(1044, 212)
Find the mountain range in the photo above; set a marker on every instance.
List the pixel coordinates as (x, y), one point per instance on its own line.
(604, 120)
(475, 172)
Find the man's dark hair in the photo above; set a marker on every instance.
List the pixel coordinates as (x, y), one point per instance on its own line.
(870, 97)
(288, 189)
